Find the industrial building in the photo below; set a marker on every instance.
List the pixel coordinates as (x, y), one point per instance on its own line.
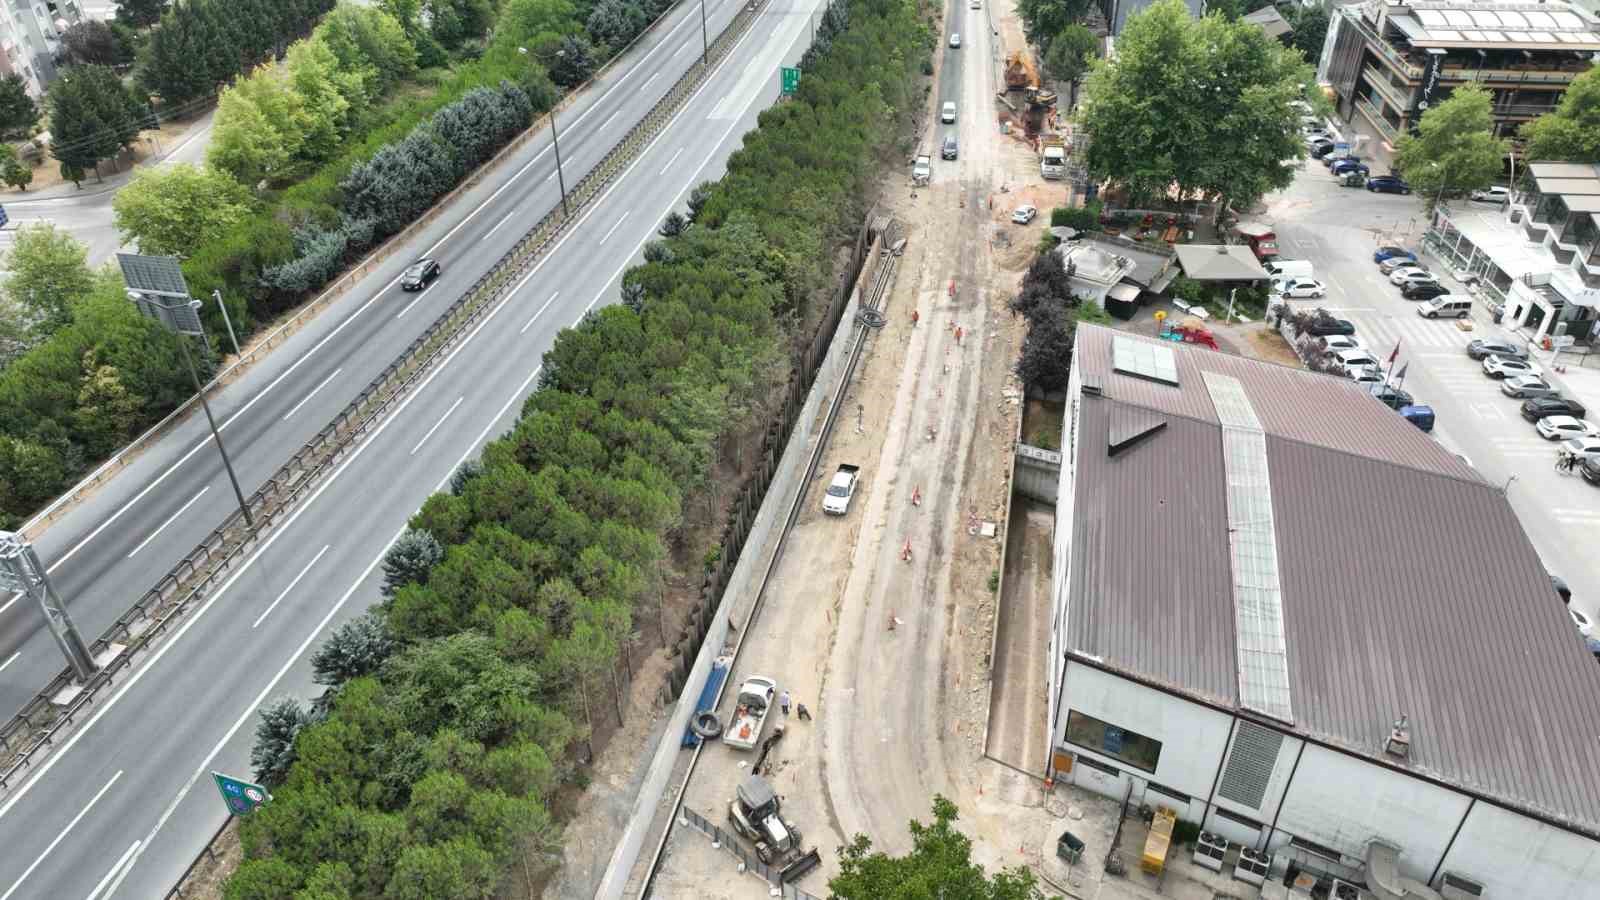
(1290, 616)
(1387, 61)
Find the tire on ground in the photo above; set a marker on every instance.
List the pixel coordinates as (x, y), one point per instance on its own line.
(706, 724)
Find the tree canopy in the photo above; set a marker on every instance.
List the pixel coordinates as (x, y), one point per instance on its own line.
(170, 209)
(939, 867)
(1572, 132)
(19, 115)
(92, 116)
(1196, 107)
(1454, 148)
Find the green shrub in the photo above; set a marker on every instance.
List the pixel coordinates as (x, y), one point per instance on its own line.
(1083, 218)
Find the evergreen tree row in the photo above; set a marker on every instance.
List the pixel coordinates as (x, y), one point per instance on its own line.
(201, 45)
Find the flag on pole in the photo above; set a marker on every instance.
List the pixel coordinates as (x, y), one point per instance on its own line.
(1395, 353)
(1402, 374)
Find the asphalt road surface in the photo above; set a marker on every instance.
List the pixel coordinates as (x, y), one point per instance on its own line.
(1337, 229)
(125, 803)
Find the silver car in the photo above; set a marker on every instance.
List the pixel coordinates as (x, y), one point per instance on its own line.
(1524, 386)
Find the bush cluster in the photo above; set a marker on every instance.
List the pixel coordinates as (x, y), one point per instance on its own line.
(1052, 309)
(456, 702)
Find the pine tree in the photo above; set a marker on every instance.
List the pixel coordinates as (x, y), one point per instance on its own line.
(356, 648)
(409, 560)
(273, 753)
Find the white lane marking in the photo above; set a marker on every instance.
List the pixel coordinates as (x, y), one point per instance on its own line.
(552, 176)
(680, 49)
(613, 229)
(649, 81)
(307, 398)
(608, 121)
(10, 661)
(70, 825)
(436, 425)
(199, 614)
(477, 441)
(173, 518)
(285, 592)
(250, 710)
(94, 894)
(420, 294)
(540, 312)
(498, 224)
(363, 308)
(671, 161)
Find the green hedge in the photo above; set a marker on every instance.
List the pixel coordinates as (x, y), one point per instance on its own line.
(426, 777)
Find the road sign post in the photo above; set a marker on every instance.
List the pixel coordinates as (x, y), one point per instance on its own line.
(791, 80)
(241, 796)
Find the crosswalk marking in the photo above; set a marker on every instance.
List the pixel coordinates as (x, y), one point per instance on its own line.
(1571, 516)
(1412, 334)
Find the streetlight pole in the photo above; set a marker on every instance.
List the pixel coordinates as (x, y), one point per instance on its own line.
(555, 136)
(705, 40)
(183, 345)
(228, 322)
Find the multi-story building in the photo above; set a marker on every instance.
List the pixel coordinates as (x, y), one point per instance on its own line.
(30, 38)
(1387, 60)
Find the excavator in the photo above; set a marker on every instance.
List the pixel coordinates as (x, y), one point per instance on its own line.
(1021, 75)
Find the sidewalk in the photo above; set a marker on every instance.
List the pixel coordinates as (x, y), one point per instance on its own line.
(185, 144)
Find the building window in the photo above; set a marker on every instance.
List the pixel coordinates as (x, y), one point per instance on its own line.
(1110, 740)
(1232, 816)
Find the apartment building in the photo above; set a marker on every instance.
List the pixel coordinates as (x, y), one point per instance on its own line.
(30, 38)
(1387, 61)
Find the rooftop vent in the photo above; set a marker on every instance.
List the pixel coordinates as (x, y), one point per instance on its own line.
(1399, 744)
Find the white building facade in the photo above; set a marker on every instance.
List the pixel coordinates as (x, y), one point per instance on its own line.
(30, 38)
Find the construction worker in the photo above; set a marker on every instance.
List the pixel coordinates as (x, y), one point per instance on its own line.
(783, 702)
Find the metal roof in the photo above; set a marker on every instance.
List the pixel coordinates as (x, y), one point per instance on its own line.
(1538, 26)
(1407, 584)
(1219, 262)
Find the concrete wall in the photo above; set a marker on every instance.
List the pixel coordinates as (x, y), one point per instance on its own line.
(1192, 738)
(1517, 857)
(1037, 474)
(1055, 658)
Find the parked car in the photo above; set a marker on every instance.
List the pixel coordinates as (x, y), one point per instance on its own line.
(1349, 164)
(1478, 349)
(420, 274)
(1406, 275)
(1559, 585)
(947, 113)
(1420, 416)
(1534, 410)
(1388, 250)
(1556, 428)
(1300, 287)
(1368, 375)
(1022, 215)
(955, 41)
(1322, 327)
(1582, 447)
(1585, 627)
(1493, 194)
(1353, 361)
(1321, 149)
(1391, 396)
(1333, 343)
(1505, 367)
(1331, 161)
(1388, 266)
(1388, 184)
(1423, 290)
(1590, 470)
(1315, 134)
(951, 148)
(1523, 386)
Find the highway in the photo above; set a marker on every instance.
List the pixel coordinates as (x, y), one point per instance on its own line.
(120, 542)
(122, 805)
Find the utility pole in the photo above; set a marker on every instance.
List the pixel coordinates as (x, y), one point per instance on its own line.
(228, 322)
(705, 40)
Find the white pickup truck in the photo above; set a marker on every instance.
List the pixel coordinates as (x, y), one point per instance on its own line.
(755, 701)
(922, 169)
(836, 502)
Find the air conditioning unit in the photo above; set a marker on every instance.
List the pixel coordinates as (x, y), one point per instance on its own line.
(1454, 887)
(1344, 890)
(1252, 866)
(1209, 850)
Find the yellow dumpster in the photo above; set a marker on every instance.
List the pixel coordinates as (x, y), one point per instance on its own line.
(1159, 841)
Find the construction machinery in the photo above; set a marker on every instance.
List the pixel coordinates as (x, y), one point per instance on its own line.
(756, 814)
(1022, 75)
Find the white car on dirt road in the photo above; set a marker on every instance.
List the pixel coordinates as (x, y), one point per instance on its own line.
(1024, 214)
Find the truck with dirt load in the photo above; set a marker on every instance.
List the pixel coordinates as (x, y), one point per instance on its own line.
(1053, 157)
(755, 701)
(756, 815)
(836, 502)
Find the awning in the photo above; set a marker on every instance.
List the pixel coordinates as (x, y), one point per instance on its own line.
(1127, 293)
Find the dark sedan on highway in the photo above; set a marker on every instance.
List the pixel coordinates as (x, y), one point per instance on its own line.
(420, 274)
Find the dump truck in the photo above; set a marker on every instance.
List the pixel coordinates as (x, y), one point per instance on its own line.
(1261, 238)
(755, 701)
(756, 815)
(1053, 157)
(836, 502)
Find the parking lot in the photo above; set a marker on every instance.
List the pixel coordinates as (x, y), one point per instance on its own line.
(1337, 229)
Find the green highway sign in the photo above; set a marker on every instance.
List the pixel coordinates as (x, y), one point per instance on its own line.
(791, 80)
(242, 797)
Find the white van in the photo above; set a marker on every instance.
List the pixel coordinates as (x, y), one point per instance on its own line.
(1281, 269)
(948, 114)
(1446, 306)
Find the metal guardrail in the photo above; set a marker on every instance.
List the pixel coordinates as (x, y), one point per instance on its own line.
(33, 729)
